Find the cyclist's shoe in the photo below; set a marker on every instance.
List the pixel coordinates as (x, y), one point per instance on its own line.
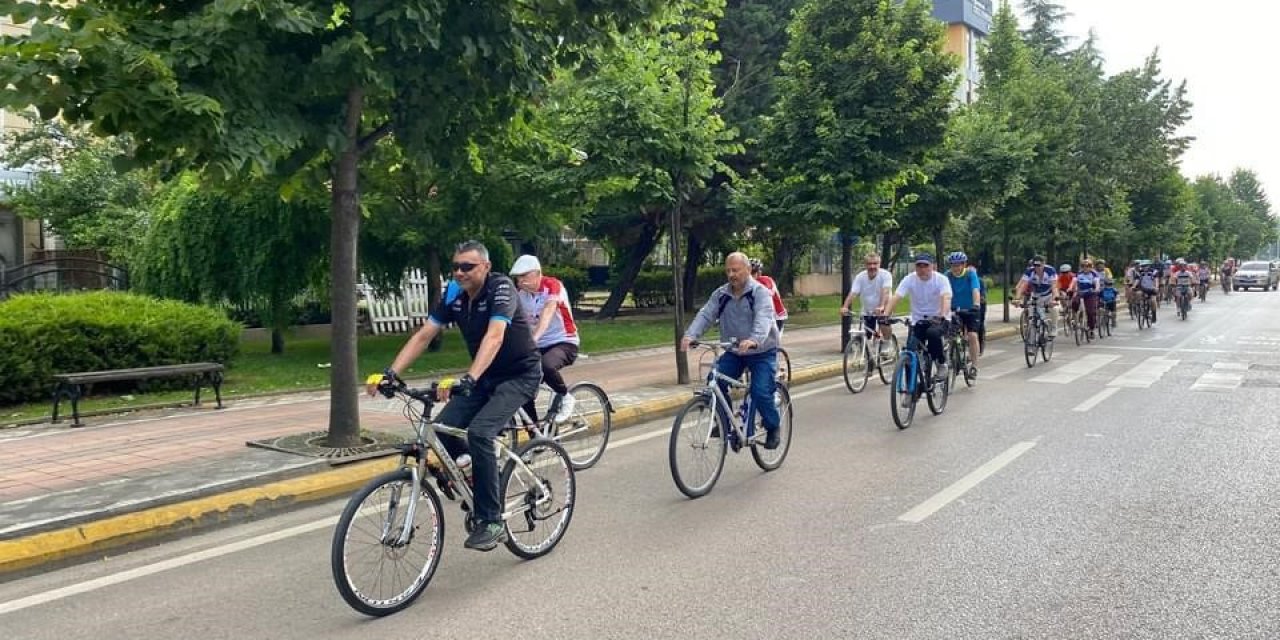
(566, 409)
(940, 373)
(772, 440)
(973, 372)
(486, 536)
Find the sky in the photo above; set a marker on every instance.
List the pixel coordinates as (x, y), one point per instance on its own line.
(1225, 50)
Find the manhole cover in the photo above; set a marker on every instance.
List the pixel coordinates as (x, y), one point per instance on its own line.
(314, 444)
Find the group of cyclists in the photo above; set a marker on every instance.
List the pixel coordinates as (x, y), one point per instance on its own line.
(521, 333)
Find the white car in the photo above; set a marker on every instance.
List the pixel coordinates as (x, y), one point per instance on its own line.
(1255, 274)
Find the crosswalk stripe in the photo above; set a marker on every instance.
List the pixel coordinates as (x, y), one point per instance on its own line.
(1073, 371)
(1145, 374)
(1218, 380)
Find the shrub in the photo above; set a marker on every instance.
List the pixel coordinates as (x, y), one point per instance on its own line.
(45, 334)
(575, 280)
(653, 289)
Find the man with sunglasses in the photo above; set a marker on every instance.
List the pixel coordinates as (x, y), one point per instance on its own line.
(1040, 285)
(930, 295)
(504, 374)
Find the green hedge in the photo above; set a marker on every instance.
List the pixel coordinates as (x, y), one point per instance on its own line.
(653, 286)
(574, 279)
(45, 334)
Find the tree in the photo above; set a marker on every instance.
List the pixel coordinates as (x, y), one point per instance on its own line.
(274, 86)
(865, 94)
(249, 249)
(77, 189)
(1045, 34)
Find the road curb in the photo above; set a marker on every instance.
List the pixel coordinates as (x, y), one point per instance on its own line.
(190, 515)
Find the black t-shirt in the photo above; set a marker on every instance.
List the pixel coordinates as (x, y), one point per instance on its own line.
(497, 299)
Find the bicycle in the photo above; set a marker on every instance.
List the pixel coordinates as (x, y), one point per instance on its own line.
(1143, 310)
(1080, 323)
(1106, 319)
(1183, 300)
(583, 436)
(1203, 290)
(1225, 280)
(912, 378)
(866, 352)
(957, 345)
(398, 514)
(784, 364)
(1037, 339)
(699, 430)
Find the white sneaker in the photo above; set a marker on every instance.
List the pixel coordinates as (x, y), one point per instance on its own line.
(566, 409)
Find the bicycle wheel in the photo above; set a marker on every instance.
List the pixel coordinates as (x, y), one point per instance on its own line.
(784, 366)
(586, 433)
(938, 393)
(902, 397)
(374, 571)
(856, 364)
(956, 359)
(1032, 343)
(770, 459)
(1078, 328)
(889, 347)
(697, 448)
(1046, 347)
(538, 498)
(1024, 324)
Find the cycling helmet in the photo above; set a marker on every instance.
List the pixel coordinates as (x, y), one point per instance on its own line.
(756, 265)
(957, 257)
(1064, 268)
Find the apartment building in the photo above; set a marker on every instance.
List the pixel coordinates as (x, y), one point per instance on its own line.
(19, 238)
(968, 23)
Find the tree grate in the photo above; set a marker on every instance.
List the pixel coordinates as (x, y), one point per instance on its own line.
(312, 444)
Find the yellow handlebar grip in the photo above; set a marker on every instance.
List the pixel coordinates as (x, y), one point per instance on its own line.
(374, 378)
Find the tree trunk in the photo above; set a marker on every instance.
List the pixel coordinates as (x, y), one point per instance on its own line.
(434, 292)
(846, 282)
(344, 412)
(783, 266)
(677, 321)
(1008, 272)
(938, 256)
(692, 260)
(636, 255)
(277, 342)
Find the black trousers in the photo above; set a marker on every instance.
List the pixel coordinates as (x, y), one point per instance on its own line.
(554, 358)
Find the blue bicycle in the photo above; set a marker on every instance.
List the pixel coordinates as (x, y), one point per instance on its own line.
(912, 378)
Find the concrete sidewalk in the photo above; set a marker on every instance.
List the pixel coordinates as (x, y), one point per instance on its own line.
(68, 492)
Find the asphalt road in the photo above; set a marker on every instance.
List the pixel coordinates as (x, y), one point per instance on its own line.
(1124, 490)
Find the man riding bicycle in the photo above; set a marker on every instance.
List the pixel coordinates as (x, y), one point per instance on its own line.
(1182, 280)
(873, 286)
(1040, 283)
(966, 296)
(554, 333)
(504, 374)
(742, 308)
(930, 296)
(1148, 279)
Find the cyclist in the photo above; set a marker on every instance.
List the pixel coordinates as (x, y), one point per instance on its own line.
(779, 311)
(1109, 295)
(930, 295)
(966, 296)
(1042, 281)
(1065, 278)
(873, 286)
(1182, 279)
(1103, 270)
(743, 311)
(1227, 269)
(504, 374)
(546, 302)
(1130, 277)
(1204, 273)
(982, 312)
(1148, 277)
(1084, 290)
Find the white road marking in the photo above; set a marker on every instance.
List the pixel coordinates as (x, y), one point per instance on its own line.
(1073, 371)
(1145, 374)
(814, 392)
(1001, 370)
(163, 565)
(1096, 399)
(963, 485)
(1232, 366)
(1219, 380)
(640, 438)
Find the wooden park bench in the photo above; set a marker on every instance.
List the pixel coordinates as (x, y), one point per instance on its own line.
(74, 386)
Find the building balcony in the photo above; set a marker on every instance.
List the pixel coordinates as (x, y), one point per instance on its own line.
(975, 14)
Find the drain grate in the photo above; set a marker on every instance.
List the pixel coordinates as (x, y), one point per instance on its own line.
(313, 444)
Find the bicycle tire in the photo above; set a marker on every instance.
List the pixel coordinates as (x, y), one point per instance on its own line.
(784, 366)
(586, 434)
(957, 362)
(771, 459)
(887, 376)
(1024, 324)
(938, 393)
(527, 497)
(355, 594)
(1030, 345)
(690, 436)
(900, 392)
(1046, 348)
(856, 365)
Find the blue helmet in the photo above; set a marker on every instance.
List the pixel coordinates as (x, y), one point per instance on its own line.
(957, 257)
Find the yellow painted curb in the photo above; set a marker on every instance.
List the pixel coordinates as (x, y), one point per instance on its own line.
(22, 553)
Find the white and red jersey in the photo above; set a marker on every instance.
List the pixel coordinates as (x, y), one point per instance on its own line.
(779, 311)
(562, 328)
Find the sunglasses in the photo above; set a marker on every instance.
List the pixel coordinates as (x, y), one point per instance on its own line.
(464, 267)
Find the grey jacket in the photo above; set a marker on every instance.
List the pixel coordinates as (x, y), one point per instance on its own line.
(741, 318)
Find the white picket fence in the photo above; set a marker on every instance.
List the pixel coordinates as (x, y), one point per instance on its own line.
(401, 313)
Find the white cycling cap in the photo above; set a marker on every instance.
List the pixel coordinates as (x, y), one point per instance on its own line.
(524, 264)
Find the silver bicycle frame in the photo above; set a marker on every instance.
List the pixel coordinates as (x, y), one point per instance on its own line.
(720, 400)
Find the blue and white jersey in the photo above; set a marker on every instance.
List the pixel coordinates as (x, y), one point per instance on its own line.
(1041, 284)
(1087, 283)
